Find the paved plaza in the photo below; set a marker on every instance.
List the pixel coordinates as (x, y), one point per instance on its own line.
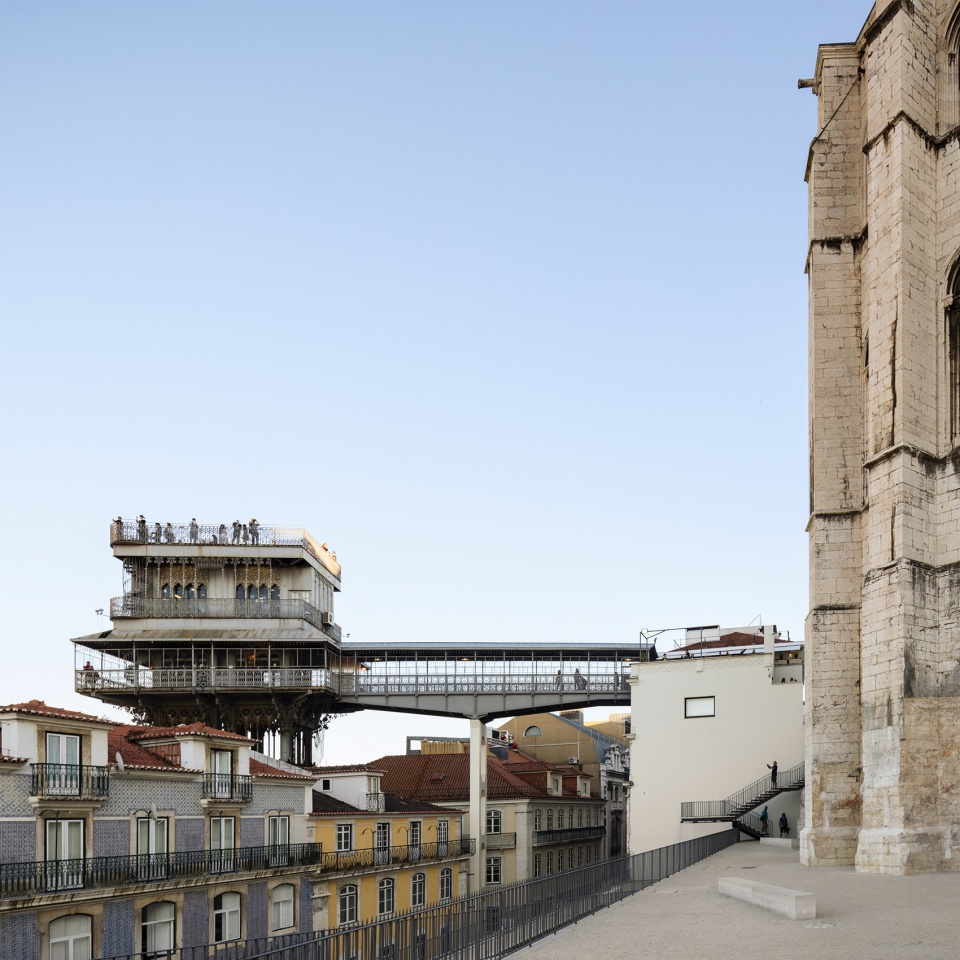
(859, 916)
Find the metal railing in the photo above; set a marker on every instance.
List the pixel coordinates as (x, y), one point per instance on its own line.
(201, 678)
(47, 876)
(487, 926)
(501, 841)
(69, 780)
(752, 824)
(227, 786)
(411, 853)
(215, 608)
(221, 534)
(452, 682)
(745, 799)
(565, 836)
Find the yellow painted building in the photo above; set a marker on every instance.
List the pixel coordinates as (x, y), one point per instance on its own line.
(382, 854)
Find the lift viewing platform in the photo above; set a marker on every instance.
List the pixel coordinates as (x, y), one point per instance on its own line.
(233, 624)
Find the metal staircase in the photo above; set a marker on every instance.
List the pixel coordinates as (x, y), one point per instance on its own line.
(736, 808)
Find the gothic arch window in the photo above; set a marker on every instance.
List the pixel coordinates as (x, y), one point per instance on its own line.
(165, 591)
(189, 592)
(202, 591)
(178, 592)
(953, 354)
(949, 79)
(275, 592)
(241, 592)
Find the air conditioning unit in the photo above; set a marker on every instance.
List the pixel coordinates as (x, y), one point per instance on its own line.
(572, 760)
(327, 617)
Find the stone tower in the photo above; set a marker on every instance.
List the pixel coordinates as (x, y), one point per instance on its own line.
(883, 637)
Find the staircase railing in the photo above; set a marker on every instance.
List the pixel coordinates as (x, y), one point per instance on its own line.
(745, 799)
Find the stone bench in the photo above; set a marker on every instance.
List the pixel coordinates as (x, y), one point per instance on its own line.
(790, 843)
(794, 904)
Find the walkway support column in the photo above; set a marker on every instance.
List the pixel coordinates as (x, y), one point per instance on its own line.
(478, 804)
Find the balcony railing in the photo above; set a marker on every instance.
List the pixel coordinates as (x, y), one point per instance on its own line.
(21, 879)
(218, 608)
(227, 786)
(501, 841)
(565, 836)
(200, 678)
(412, 853)
(376, 802)
(69, 780)
(222, 535)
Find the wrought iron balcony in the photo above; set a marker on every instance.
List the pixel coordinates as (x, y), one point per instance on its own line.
(412, 853)
(221, 535)
(376, 802)
(70, 781)
(227, 786)
(24, 879)
(219, 608)
(541, 837)
(501, 841)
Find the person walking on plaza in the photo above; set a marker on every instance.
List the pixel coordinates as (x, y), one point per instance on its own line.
(772, 767)
(764, 822)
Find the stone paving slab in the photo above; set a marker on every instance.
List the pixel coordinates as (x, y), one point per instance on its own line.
(859, 916)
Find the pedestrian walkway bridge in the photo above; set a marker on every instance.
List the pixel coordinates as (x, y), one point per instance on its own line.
(455, 680)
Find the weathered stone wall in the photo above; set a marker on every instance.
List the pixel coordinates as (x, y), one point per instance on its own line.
(883, 702)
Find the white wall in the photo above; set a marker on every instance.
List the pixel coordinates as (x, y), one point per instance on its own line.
(674, 759)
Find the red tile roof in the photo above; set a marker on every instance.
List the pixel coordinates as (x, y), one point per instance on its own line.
(736, 639)
(40, 709)
(188, 730)
(445, 777)
(345, 768)
(135, 756)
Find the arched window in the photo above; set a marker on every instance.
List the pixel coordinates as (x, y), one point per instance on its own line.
(241, 592)
(385, 897)
(275, 592)
(189, 592)
(71, 937)
(550, 818)
(263, 592)
(347, 904)
(158, 928)
(446, 884)
(560, 819)
(165, 591)
(281, 912)
(538, 819)
(533, 731)
(202, 592)
(953, 353)
(418, 890)
(178, 592)
(580, 818)
(226, 917)
(252, 592)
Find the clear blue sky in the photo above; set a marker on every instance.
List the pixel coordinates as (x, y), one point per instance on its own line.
(505, 301)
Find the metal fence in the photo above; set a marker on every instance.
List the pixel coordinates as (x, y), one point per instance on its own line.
(486, 926)
(743, 800)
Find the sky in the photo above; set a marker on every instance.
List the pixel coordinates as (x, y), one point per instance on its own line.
(504, 301)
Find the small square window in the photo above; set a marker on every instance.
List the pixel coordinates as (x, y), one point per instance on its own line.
(699, 707)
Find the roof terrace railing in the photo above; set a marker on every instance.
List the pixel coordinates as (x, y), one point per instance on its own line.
(221, 535)
(89, 680)
(227, 786)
